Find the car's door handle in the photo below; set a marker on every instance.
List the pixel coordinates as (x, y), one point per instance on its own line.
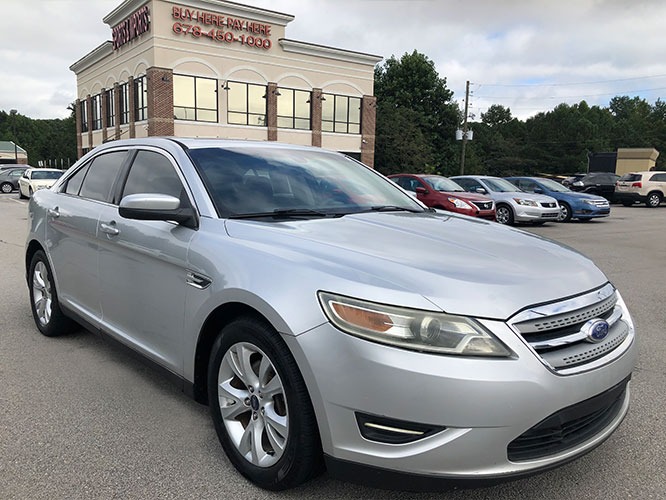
(109, 228)
(54, 212)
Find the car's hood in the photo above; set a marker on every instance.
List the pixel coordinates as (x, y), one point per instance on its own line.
(581, 196)
(462, 266)
(502, 195)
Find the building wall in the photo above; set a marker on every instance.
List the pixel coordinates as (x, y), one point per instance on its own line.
(172, 47)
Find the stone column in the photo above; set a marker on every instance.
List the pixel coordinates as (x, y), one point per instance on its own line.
(89, 121)
(132, 112)
(271, 111)
(116, 103)
(77, 115)
(105, 106)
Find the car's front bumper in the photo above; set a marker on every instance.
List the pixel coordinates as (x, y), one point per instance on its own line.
(535, 214)
(484, 404)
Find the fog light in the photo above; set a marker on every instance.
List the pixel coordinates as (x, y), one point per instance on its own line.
(392, 431)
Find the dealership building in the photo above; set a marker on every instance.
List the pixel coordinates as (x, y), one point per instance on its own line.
(213, 68)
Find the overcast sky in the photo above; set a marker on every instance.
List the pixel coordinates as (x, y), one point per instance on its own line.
(528, 55)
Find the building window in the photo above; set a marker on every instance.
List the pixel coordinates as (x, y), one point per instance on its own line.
(123, 95)
(341, 114)
(96, 104)
(293, 109)
(246, 104)
(195, 98)
(84, 115)
(110, 108)
(140, 99)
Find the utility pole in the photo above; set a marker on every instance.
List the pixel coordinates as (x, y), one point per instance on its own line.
(464, 130)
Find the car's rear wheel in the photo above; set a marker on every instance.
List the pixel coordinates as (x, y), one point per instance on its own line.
(260, 406)
(653, 200)
(504, 214)
(46, 311)
(6, 187)
(565, 213)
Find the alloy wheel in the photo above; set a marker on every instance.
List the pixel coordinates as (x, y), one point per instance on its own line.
(41, 293)
(253, 404)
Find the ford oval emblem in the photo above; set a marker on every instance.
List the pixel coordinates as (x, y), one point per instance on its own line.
(595, 330)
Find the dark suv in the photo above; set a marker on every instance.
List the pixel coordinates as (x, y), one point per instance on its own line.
(599, 183)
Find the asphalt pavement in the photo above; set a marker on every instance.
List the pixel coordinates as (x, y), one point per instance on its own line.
(80, 419)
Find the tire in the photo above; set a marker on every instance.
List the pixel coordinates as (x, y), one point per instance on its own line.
(6, 187)
(504, 215)
(271, 439)
(30, 192)
(21, 195)
(46, 311)
(565, 213)
(653, 200)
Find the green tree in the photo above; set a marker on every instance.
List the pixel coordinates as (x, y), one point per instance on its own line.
(413, 101)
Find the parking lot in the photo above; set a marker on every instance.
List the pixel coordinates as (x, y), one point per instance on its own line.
(79, 418)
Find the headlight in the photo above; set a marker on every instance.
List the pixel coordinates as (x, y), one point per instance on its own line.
(526, 203)
(410, 328)
(458, 203)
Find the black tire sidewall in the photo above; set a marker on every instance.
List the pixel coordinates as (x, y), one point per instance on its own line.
(566, 206)
(302, 452)
(59, 323)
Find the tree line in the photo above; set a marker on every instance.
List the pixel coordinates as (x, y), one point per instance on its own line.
(416, 123)
(52, 140)
(417, 120)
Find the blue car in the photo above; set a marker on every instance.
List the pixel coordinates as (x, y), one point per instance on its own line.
(573, 205)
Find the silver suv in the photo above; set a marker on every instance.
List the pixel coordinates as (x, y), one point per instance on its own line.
(328, 318)
(511, 203)
(643, 187)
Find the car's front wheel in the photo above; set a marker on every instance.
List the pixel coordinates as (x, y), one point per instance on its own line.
(46, 311)
(260, 406)
(565, 213)
(504, 214)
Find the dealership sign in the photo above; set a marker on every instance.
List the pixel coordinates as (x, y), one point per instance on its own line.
(219, 28)
(136, 24)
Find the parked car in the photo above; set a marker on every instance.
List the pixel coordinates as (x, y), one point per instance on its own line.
(386, 340)
(643, 187)
(598, 183)
(439, 192)
(581, 206)
(9, 178)
(511, 204)
(568, 181)
(34, 179)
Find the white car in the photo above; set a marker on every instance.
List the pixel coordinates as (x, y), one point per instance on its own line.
(35, 179)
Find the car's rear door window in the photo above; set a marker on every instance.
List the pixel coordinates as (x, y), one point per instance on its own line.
(101, 176)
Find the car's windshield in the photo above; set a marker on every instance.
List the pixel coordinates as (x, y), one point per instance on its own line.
(256, 180)
(45, 174)
(500, 185)
(552, 185)
(439, 183)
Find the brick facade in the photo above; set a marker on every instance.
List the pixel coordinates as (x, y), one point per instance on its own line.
(271, 110)
(160, 101)
(315, 116)
(368, 123)
(132, 110)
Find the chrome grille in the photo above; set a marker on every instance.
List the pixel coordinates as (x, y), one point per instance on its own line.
(483, 205)
(555, 331)
(547, 204)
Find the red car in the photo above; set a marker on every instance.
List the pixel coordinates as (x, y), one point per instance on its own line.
(439, 192)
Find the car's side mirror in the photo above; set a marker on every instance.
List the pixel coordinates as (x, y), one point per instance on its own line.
(538, 190)
(153, 206)
(481, 190)
(421, 190)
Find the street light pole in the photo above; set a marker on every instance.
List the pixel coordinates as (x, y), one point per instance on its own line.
(464, 130)
(12, 113)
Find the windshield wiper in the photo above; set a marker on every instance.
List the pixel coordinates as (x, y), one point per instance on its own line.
(278, 213)
(394, 208)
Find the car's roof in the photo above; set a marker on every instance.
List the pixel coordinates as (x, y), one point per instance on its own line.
(198, 143)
